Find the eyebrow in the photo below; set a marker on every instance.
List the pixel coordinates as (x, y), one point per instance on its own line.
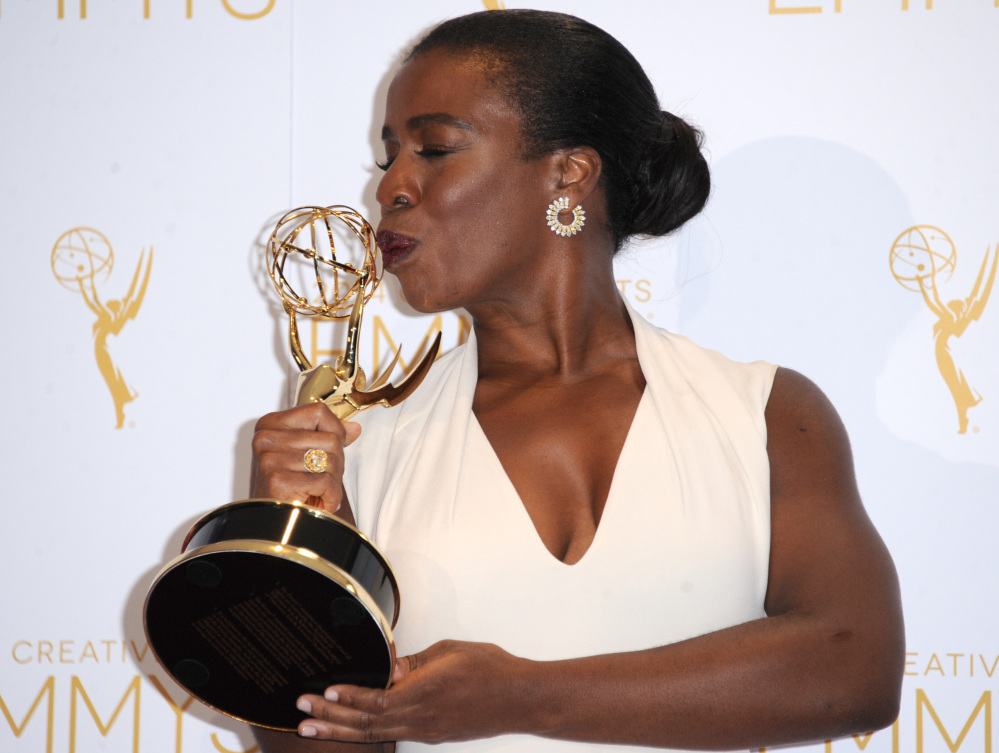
(433, 118)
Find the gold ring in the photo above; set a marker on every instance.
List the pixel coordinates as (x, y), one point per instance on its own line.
(315, 461)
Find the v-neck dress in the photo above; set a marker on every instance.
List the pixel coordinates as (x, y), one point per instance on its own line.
(682, 547)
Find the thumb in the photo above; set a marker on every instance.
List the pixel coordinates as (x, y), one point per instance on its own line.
(353, 431)
(406, 664)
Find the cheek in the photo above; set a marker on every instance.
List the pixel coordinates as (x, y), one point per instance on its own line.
(464, 204)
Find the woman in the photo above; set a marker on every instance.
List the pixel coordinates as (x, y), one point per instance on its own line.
(604, 534)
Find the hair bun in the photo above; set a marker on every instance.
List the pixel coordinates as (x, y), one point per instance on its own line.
(673, 182)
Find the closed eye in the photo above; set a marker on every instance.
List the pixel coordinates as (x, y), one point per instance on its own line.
(426, 152)
(429, 152)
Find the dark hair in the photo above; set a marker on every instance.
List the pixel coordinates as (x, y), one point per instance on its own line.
(575, 85)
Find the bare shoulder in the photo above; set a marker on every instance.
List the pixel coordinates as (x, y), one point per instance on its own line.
(825, 553)
(807, 442)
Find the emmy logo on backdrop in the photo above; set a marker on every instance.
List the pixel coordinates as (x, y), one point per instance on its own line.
(82, 260)
(921, 258)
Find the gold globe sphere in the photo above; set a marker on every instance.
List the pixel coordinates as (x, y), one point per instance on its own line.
(321, 258)
(922, 253)
(81, 255)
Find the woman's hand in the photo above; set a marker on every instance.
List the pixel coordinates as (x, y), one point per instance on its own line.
(452, 691)
(280, 442)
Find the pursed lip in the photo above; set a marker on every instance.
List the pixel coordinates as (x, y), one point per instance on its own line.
(395, 247)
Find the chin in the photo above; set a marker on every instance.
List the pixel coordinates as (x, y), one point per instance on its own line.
(429, 307)
(423, 298)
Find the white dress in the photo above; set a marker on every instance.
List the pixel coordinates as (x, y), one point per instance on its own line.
(682, 547)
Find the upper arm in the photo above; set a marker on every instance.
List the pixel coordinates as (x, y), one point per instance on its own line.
(826, 560)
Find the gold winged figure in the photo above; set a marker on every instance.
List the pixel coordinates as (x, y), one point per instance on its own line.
(953, 319)
(111, 318)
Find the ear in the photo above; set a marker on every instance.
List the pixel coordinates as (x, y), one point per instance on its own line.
(579, 172)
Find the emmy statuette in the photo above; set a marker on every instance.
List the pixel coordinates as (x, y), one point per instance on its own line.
(270, 599)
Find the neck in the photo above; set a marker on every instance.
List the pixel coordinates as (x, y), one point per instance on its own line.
(568, 326)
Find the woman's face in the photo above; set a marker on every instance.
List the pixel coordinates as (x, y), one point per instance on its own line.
(462, 211)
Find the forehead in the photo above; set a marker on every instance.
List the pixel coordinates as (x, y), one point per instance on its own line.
(440, 83)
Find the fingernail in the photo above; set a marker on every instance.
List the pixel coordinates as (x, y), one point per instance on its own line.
(332, 696)
(307, 732)
(304, 706)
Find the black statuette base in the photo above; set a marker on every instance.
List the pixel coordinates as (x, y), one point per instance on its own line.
(247, 632)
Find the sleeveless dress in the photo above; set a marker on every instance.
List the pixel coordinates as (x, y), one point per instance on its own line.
(682, 547)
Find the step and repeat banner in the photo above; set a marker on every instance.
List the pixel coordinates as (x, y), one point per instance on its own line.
(147, 147)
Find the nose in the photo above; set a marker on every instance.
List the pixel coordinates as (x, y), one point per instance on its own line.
(397, 188)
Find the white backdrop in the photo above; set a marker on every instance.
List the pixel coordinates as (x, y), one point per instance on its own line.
(833, 127)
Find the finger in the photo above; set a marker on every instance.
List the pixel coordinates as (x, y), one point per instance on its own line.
(299, 486)
(274, 456)
(353, 715)
(315, 416)
(296, 442)
(320, 730)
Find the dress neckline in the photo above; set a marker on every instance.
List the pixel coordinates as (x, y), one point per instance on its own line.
(511, 497)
